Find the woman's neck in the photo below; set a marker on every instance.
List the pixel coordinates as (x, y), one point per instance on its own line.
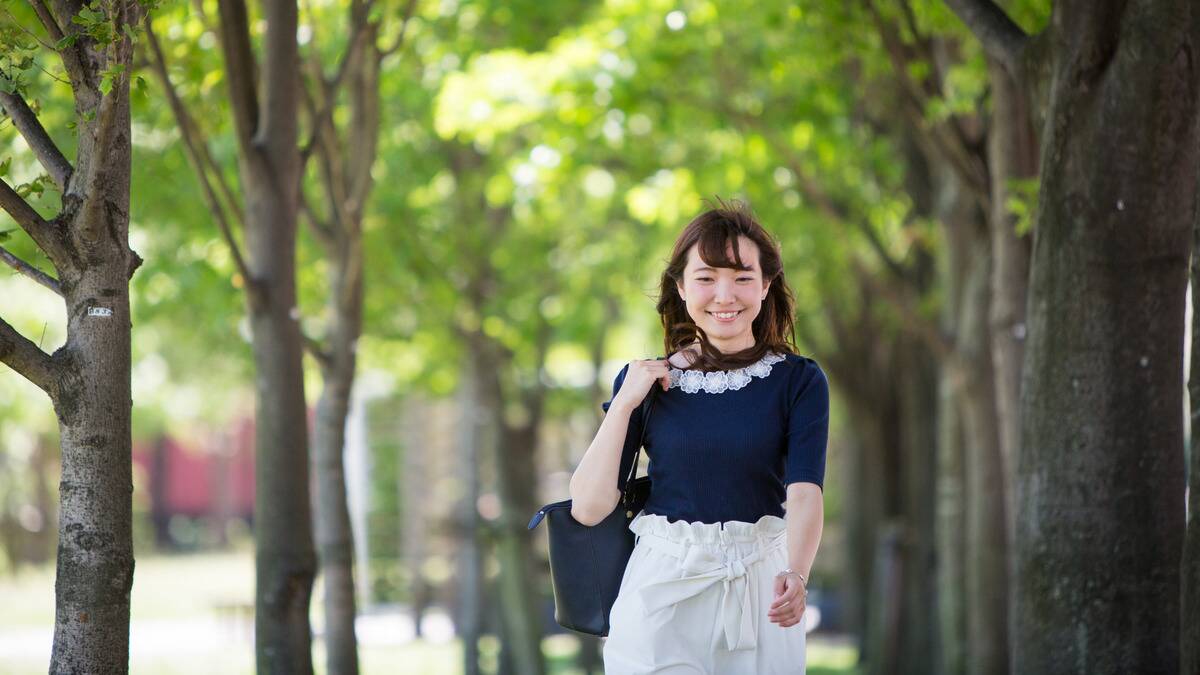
(693, 349)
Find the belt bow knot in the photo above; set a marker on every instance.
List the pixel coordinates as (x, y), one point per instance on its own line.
(703, 569)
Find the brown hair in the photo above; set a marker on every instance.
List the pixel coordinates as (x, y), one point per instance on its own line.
(714, 231)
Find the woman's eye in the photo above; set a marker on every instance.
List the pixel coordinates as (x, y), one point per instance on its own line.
(703, 278)
(746, 279)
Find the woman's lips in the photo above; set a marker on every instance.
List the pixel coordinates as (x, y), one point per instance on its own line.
(729, 317)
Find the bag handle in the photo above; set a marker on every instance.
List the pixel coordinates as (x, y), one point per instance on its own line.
(647, 405)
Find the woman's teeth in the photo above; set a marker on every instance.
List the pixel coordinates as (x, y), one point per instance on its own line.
(725, 315)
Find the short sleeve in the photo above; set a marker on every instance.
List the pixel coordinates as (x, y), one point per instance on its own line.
(632, 437)
(808, 427)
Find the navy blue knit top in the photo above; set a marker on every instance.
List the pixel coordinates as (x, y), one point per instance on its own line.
(724, 445)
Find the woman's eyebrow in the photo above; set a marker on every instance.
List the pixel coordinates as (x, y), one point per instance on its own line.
(749, 268)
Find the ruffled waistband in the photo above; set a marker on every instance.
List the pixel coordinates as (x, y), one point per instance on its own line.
(767, 527)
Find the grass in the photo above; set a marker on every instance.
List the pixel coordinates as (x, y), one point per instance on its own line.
(189, 618)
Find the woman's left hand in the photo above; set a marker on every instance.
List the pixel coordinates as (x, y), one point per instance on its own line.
(790, 598)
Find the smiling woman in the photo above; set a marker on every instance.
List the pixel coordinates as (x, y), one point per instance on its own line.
(717, 578)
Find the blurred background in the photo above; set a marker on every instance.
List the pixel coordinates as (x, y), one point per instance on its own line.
(489, 192)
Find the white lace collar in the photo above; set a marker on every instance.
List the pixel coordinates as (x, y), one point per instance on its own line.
(715, 382)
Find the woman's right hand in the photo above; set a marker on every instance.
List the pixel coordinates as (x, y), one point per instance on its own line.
(638, 380)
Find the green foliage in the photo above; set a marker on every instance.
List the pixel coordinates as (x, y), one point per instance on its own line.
(1022, 202)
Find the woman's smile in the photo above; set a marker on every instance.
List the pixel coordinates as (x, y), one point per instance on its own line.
(726, 317)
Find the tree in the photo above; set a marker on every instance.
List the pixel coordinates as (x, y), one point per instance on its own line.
(264, 105)
(87, 244)
(1099, 476)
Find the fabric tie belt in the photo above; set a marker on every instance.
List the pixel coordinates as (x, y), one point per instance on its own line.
(704, 568)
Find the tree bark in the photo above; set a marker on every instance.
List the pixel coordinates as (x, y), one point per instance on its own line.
(269, 159)
(1100, 478)
(88, 378)
(334, 537)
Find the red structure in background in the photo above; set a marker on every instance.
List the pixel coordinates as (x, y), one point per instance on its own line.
(210, 477)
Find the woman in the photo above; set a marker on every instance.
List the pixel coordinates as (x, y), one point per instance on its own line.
(736, 439)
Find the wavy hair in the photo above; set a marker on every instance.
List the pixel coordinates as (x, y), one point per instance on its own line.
(715, 231)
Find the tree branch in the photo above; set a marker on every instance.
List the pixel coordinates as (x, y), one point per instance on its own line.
(241, 69)
(409, 9)
(946, 139)
(194, 141)
(196, 149)
(43, 233)
(1002, 38)
(329, 87)
(317, 350)
(901, 298)
(321, 231)
(47, 19)
(29, 270)
(27, 359)
(39, 141)
(74, 56)
(281, 86)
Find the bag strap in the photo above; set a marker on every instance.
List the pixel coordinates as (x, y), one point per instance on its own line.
(647, 405)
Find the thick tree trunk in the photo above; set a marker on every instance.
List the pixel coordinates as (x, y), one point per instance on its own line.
(88, 378)
(94, 404)
(270, 173)
(1100, 477)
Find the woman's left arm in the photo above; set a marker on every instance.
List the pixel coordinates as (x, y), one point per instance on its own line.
(805, 517)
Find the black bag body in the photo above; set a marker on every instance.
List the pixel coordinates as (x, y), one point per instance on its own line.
(588, 563)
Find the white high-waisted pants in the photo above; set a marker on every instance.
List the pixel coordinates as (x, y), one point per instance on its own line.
(694, 600)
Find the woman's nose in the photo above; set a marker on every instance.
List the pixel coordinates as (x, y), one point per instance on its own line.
(724, 291)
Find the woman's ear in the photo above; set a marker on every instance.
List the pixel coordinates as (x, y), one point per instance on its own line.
(679, 289)
(766, 289)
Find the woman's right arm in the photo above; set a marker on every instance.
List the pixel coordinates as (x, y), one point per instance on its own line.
(593, 487)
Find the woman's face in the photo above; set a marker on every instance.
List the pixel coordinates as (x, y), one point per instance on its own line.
(724, 301)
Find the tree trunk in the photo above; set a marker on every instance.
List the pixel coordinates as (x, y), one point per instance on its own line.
(469, 619)
(986, 520)
(968, 366)
(334, 536)
(88, 378)
(1100, 477)
(917, 400)
(516, 483)
(1012, 155)
(951, 529)
(270, 174)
